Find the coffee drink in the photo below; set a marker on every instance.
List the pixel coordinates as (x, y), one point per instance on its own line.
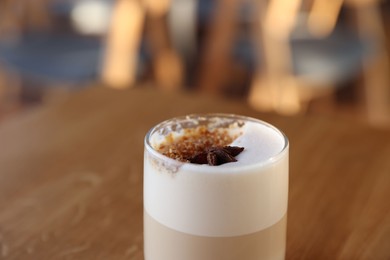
(231, 207)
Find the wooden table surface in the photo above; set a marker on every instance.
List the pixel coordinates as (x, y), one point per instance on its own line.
(71, 178)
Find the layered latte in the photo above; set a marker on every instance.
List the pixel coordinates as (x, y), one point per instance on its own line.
(229, 204)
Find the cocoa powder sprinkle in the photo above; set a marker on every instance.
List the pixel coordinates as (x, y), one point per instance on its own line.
(201, 146)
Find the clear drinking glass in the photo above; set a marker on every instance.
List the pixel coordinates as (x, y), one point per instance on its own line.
(233, 211)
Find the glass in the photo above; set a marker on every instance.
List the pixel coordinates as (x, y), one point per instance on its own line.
(232, 211)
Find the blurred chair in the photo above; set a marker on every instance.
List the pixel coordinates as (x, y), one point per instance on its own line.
(129, 20)
(14, 16)
(46, 61)
(300, 66)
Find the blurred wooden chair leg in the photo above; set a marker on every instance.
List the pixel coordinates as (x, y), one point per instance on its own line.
(168, 68)
(10, 90)
(10, 19)
(275, 81)
(122, 43)
(279, 94)
(376, 69)
(16, 15)
(218, 44)
(260, 95)
(323, 17)
(37, 14)
(121, 57)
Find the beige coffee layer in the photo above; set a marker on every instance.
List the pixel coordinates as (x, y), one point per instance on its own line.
(163, 243)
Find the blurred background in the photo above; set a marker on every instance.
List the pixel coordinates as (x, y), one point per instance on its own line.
(283, 56)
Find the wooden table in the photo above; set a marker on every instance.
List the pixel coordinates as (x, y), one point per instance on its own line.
(71, 178)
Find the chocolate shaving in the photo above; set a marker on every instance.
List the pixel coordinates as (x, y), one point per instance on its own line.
(217, 155)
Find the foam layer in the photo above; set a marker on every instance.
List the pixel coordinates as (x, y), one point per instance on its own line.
(261, 144)
(227, 200)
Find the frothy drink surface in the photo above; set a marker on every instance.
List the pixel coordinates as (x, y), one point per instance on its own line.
(218, 204)
(261, 143)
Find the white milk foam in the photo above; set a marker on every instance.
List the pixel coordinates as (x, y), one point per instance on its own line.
(228, 200)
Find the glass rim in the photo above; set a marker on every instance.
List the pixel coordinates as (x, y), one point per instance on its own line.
(268, 161)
